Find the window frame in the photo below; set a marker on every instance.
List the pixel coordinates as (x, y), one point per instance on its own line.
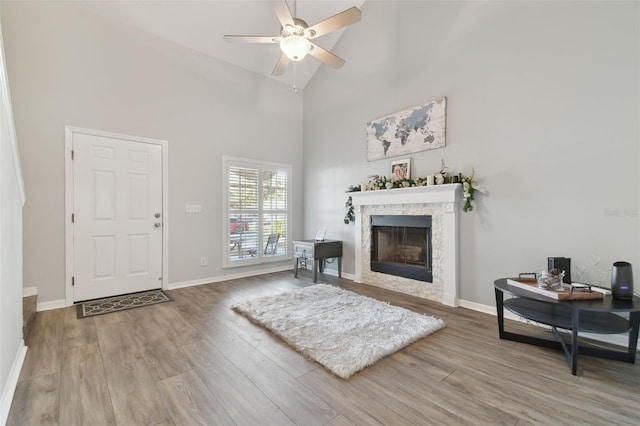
(260, 166)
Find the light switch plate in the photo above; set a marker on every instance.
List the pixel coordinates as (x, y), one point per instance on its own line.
(193, 208)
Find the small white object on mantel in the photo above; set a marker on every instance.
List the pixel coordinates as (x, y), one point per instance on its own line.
(431, 180)
(444, 201)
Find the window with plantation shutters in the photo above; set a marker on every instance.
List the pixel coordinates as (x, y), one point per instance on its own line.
(257, 213)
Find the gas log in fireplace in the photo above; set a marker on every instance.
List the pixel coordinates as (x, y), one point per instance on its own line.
(401, 246)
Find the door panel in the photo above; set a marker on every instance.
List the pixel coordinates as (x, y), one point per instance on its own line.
(104, 257)
(117, 239)
(138, 261)
(104, 192)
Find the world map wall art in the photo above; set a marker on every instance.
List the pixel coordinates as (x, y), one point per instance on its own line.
(416, 129)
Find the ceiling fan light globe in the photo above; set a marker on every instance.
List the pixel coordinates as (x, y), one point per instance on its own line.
(295, 47)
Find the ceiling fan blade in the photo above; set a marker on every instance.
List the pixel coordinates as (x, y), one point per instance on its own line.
(251, 39)
(342, 19)
(325, 56)
(281, 65)
(283, 13)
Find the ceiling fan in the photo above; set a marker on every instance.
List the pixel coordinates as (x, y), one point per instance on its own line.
(296, 35)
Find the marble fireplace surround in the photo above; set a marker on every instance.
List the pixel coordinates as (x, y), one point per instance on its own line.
(442, 202)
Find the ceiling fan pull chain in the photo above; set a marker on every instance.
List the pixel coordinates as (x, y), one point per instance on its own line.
(295, 89)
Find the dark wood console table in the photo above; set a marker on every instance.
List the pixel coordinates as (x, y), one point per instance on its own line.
(318, 251)
(589, 316)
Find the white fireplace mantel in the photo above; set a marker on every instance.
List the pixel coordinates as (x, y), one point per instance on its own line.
(450, 193)
(440, 201)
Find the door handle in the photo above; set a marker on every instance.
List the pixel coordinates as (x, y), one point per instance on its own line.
(157, 224)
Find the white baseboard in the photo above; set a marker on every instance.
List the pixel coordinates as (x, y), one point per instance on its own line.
(182, 284)
(334, 273)
(57, 304)
(12, 382)
(491, 310)
(351, 277)
(52, 304)
(615, 339)
(174, 286)
(43, 306)
(29, 291)
(486, 309)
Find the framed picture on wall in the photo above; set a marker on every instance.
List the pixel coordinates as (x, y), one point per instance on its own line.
(406, 132)
(401, 169)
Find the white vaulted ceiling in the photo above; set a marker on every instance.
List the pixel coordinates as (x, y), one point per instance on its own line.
(200, 25)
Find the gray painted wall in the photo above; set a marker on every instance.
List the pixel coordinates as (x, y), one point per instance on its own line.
(543, 100)
(69, 67)
(10, 264)
(11, 346)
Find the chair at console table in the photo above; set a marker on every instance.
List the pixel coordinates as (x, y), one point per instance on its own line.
(318, 251)
(589, 316)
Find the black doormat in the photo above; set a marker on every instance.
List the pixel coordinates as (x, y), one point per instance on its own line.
(120, 303)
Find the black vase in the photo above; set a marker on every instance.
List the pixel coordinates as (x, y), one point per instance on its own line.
(621, 281)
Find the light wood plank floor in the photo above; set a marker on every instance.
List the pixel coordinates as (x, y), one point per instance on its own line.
(195, 361)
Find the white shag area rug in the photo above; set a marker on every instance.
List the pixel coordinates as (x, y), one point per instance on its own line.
(342, 330)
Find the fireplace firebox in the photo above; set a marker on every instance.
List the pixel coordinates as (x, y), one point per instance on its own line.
(401, 246)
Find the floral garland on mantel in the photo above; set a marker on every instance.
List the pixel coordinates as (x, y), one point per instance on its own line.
(375, 183)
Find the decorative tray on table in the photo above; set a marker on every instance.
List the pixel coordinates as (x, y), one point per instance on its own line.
(565, 292)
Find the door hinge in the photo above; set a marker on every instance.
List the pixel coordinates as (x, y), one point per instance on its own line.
(72, 155)
(73, 218)
(73, 281)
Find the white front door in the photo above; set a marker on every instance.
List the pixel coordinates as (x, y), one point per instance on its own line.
(117, 216)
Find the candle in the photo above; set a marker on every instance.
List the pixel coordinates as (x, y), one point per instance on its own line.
(431, 180)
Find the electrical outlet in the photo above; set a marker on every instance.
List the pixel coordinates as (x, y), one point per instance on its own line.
(193, 208)
(203, 261)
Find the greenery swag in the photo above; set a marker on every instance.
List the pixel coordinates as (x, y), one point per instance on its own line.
(375, 183)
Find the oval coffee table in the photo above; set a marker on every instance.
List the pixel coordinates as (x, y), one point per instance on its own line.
(589, 316)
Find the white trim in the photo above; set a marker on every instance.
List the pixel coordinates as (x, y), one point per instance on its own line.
(334, 273)
(69, 202)
(52, 304)
(447, 193)
(12, 382)
(29, 291)
(344, 274)
(487, 309)
(13, 140)
(616, 339)
(222, 278)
